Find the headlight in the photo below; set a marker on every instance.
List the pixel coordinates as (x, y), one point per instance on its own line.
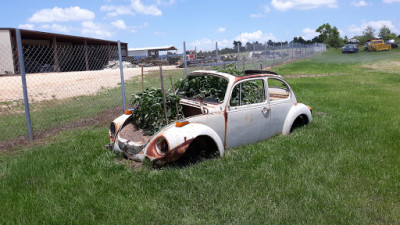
(111, 131)
(162, 145)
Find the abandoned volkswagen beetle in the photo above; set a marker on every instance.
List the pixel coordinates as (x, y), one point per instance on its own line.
(237, 110)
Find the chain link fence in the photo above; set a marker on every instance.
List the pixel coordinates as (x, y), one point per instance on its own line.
(69, 85)
(255, 56)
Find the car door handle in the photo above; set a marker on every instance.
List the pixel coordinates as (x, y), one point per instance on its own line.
(265, 110)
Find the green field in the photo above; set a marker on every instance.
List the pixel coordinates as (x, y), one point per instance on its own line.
(344, 168)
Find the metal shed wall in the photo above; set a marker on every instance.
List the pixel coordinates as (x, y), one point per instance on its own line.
(6, 56)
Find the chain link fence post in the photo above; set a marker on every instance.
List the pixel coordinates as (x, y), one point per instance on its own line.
(252, 57)
(238, 55)
(24, 86)
(184, 58)
(121, 70)
(265, 53)
(216, 52)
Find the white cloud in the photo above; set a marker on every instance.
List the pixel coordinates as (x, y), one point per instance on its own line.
(203, 44)
(224, 43)
(354, 30)
(55, 27)
(257, 15)
(255, 36)
(309, 33)
(221, 29)
(27, 26)
(284, 5)
(390, 1)
(360, 3)
(120, 24)
(57, 14)
(165, 2)
(267, 9)
(138, 6)
(95, 30)
(135, 29)
(114, 10)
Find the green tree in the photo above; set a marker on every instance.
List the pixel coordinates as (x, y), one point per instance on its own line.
(324, 31)
(369, 33)
(384, 32)
(346, 39)
(329, 35)
(334, 39)
(236, 43)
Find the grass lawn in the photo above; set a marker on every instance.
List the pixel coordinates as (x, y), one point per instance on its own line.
(344, 168)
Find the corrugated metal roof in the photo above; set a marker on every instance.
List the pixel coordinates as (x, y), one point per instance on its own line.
(61, 37)
(161, 48)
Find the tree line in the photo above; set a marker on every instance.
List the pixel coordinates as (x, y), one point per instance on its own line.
(328, 35)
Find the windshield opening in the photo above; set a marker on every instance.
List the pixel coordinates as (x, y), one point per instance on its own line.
(206, 87)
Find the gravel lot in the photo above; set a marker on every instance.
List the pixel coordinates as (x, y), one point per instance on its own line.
(48, 86)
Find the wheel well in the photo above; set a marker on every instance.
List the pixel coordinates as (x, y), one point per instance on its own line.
(300, 121)
(202, 147)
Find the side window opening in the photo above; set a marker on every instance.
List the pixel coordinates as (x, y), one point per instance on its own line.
(277, 89)
(248, 92)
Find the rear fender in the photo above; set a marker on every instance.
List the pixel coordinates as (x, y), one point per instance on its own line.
(296, 110)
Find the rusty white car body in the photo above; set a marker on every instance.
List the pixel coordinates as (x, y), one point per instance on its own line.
(217, 125)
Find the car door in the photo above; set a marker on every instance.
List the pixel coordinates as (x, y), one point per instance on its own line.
(248, 113)
(281, 99)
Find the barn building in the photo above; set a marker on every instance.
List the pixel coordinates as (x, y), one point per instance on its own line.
(51, 52)
(150, 51)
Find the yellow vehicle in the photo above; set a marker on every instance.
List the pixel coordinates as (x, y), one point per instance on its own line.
(378, 45)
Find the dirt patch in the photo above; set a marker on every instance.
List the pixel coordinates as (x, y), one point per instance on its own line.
(47, 86)
(391, 67)
(132, 133)
(103, 118)
(130, 163)
(314, 75)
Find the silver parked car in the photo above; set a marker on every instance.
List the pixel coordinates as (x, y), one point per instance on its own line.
(241, 110)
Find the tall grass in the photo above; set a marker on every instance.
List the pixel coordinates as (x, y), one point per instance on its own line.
(343, 168)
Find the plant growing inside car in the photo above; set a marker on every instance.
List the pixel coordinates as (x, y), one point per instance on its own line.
(148, 114)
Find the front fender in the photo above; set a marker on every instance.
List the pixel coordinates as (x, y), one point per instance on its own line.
(296, 110)
(118, 123)
(179, 139)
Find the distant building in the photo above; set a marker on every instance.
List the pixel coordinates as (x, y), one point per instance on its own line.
(51, 52)
(354, 41)
(150, 51)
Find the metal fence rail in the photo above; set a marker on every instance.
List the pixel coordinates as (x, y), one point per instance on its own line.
(50, 86)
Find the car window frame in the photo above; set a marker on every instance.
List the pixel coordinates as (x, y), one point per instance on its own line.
(266, 99)
(278, 100)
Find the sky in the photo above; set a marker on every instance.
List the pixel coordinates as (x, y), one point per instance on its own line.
(200, 23)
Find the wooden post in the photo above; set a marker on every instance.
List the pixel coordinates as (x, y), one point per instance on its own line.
(55, 54)
(142, 82)
(261, 67)
(173, 90)
(172, 84)
(86, 56)
(163, 94)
